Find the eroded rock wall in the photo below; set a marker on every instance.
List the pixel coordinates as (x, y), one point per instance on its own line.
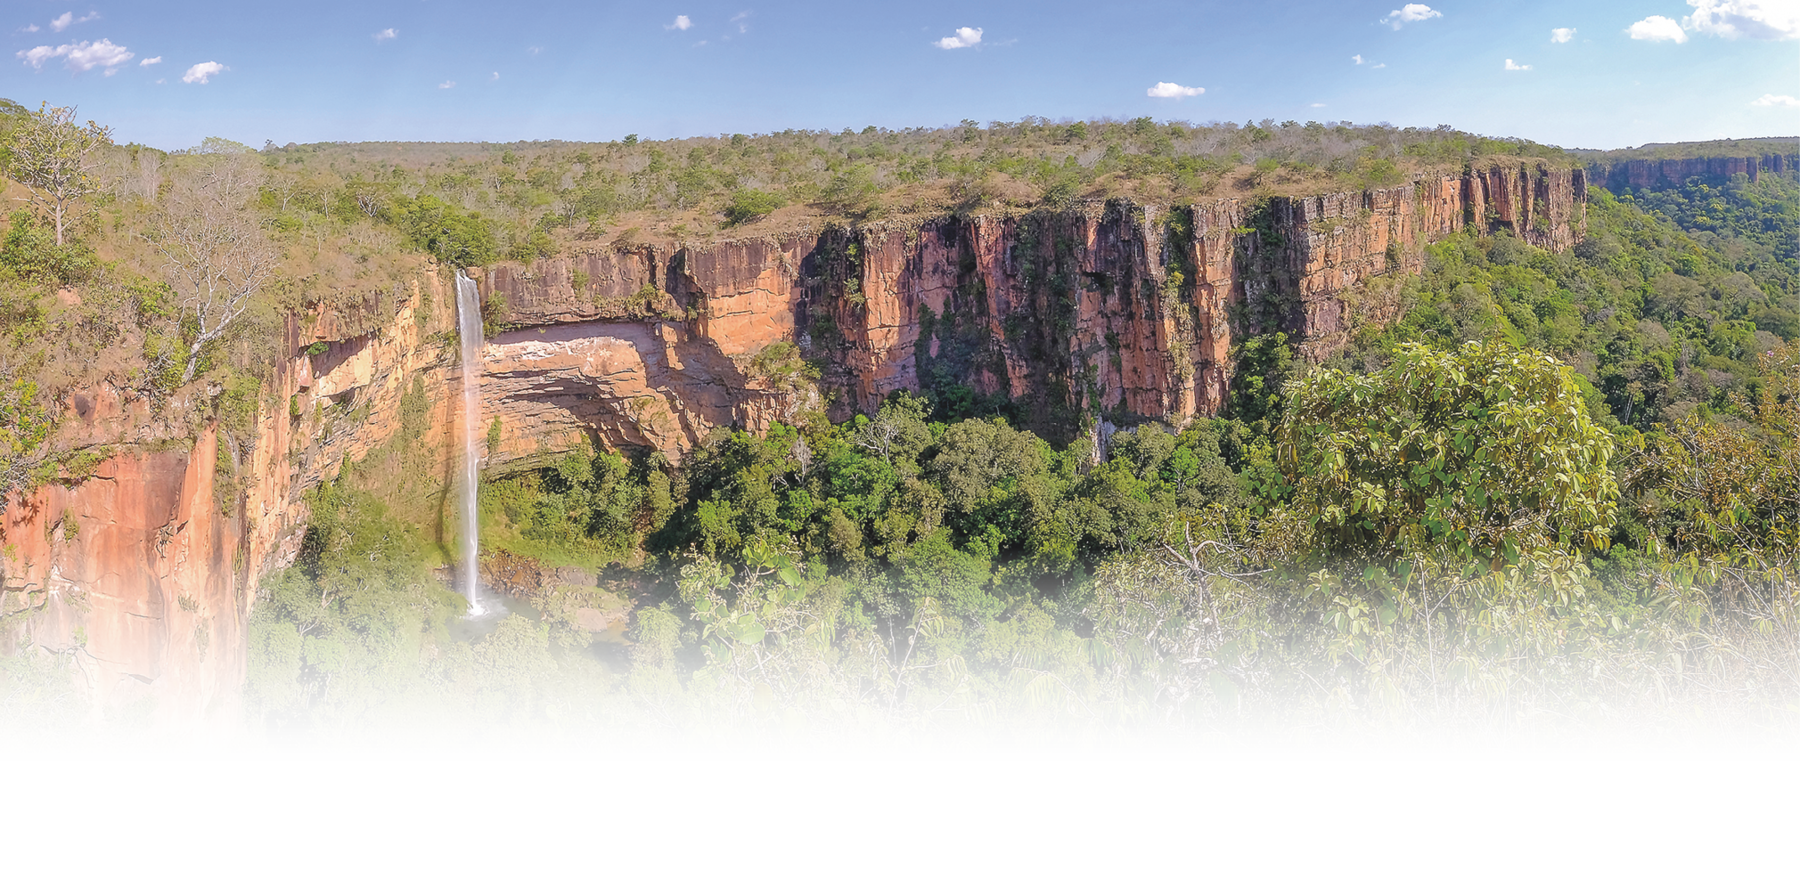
(1120, 312)
(1666, 172)
(145, 571)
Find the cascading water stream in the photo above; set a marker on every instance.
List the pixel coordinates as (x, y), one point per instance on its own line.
(468, 327)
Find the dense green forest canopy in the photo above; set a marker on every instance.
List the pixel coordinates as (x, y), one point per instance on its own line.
(1555, 475)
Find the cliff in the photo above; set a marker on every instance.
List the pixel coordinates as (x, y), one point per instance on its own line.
(1124, 312)
(1671, 171)
(144, 572)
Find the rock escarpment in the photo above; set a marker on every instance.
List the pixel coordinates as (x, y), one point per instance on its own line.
(1124, 312)
(145, 571)
(1672, 171)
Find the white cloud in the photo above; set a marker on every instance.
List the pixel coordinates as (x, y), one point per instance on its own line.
(1776, 100)
(387, 34)
(1562, 34)
(964, 38)
(445, 86)
(87, 55)
(36, 56)
(1172, 90)
(1657, 29)
(1379, 67)
(62, 22)
(1410, 13)
(30, 28)
(739, 19)
(495, 77)
(1357, 58)
(1315, 105)
(1756, 19)
(201, 73)
(682, 22)
(1516, 68)
(79, 56)
(150, 61)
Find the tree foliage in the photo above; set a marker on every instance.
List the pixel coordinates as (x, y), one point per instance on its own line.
(52, 156)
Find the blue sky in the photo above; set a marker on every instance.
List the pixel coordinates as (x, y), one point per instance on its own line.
(1630, 72)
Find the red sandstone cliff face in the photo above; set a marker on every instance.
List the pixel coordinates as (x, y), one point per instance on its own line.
(144, 573)
(1123, 313)
(1660, 172)
(134, 577)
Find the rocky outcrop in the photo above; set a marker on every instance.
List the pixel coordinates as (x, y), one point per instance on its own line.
(1122, 312)
(145, 571)
(133, 575)
(1668, 172)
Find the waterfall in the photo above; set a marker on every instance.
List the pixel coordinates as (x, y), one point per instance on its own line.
(468, 326)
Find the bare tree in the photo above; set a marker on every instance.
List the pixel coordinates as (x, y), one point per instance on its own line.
(51, 158)
(218, 251)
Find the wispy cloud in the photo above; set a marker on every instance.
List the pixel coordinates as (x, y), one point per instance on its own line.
(1516, 68)
(79, 56)
(1776, 100)
(1170, 90)
(150, 61)
(682, 22)
(385, 35)
(1411, 13)
(30, 28)
(1315, 105)
(1657, 29)
(494, 78)
(965, 37)
(1356, 59)
(445, 86)
(1562, 34)
(201, 73)
(1752, 19)
(62, 22)
(742, 20)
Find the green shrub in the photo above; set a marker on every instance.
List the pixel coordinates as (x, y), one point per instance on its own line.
(748, 205)
(31, 253)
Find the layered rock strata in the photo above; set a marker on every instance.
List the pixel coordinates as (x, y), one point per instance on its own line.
(1667, 172)
(145, 571)
(1121, 311)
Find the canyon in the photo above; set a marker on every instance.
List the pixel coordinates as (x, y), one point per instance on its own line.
(144, 572)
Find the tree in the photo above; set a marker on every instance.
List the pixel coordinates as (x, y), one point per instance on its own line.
(218, 252)
(51, 156)
(1442, 508)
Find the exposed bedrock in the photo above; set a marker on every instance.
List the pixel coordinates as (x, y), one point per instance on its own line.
(1671, 171)
(145, 572)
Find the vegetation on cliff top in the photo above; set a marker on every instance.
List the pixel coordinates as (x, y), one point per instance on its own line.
(1357, 538)
(539, 196)
(1786, 145)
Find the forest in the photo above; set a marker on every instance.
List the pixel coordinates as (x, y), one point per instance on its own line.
(1558, 485)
